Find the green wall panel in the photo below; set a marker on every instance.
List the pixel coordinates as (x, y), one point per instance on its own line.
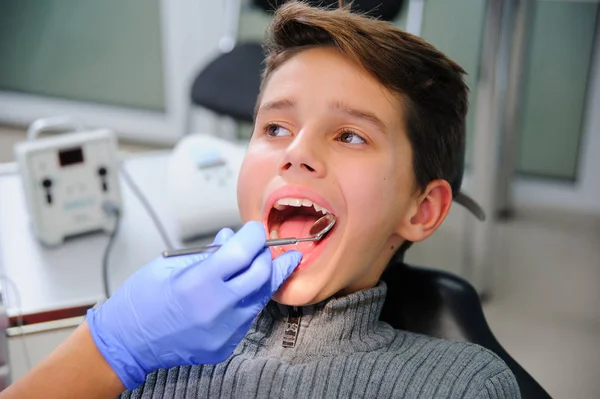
(456, 28)
(99, 51)
(556, 79)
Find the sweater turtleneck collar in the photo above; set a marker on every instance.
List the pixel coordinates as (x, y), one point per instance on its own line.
(333, 326)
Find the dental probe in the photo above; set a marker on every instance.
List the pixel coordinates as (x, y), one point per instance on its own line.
(317, 232)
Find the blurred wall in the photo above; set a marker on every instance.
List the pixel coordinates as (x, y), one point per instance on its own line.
(557, 75)
(122, 65)
(106, 52)
(560, 131)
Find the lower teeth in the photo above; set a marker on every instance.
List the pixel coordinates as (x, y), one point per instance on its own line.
(274, 234)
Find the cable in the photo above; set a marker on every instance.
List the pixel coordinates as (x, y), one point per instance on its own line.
(13, 285)
(147, 206)
(111, 210)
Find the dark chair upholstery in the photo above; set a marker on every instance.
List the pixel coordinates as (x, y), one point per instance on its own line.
(443, 305)
(229, 84)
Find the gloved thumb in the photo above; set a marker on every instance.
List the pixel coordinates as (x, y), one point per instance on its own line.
(223, 236)
(283, 266)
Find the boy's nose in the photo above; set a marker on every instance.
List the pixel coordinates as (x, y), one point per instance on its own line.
(303, 156)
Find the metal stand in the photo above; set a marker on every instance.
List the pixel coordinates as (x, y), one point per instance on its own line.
(486, 140)
(521, 14)
(506, 35)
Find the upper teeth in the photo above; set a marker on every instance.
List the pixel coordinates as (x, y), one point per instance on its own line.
(283, 202)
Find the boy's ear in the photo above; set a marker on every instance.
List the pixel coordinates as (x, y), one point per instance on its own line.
(430, 210)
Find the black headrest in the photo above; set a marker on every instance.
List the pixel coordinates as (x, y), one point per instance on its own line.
(460, 197)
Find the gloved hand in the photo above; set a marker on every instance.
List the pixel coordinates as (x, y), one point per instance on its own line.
(191, 309)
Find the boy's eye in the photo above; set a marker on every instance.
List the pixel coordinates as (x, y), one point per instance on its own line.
(350, 138)
(277, 131)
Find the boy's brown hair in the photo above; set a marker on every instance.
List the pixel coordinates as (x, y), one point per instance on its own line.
(429, 84)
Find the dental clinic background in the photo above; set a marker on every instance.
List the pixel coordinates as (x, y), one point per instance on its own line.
(128, 68)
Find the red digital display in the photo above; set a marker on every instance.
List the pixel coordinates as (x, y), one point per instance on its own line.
(70, 156)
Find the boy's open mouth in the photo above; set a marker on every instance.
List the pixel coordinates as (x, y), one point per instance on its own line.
(293, 217)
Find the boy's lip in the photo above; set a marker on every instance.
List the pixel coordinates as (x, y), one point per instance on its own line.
(293, 191)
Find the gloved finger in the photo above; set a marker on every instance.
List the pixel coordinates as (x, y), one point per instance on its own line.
(223, 236)
(283, 266)
(239, 251)
(253, 305)
(241, 326)
(253, 278)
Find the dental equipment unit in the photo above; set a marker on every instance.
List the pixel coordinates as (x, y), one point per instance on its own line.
(68, 179)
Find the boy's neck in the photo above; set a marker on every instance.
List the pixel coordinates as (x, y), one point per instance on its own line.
(331, 327)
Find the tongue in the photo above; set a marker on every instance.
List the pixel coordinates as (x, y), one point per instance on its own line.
(296, 226)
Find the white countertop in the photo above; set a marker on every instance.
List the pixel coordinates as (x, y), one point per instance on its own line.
(71, 275)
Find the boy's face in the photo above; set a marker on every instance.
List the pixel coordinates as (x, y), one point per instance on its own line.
(329, 134)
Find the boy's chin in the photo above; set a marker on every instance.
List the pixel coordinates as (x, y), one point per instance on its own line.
(296, 293)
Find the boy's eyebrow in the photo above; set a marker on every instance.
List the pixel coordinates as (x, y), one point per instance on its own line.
(277, 104)
(360, 114)
(336, 106)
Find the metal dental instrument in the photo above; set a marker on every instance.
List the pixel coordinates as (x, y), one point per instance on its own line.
(316, 233)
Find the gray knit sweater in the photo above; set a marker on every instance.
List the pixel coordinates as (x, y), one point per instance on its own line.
(340, 349)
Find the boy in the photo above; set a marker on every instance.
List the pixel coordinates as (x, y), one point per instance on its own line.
(358, 119)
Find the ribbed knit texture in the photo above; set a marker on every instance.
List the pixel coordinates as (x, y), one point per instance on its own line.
(342, 350)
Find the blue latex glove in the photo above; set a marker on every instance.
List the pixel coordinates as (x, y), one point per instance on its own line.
(189, 310)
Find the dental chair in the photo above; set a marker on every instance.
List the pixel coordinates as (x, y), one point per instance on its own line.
(443, 305)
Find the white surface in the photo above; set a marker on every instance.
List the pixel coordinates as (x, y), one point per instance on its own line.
(71, 275)
(190, 35)
(545, 304)
(202, 184)
(37, 347)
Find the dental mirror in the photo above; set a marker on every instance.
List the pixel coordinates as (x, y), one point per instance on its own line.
(322, 226)
(318, 230)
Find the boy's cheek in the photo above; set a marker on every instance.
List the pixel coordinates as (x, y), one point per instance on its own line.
(251, 184)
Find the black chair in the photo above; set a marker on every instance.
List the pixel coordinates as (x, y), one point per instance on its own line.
(229, 85)
(443, 305)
